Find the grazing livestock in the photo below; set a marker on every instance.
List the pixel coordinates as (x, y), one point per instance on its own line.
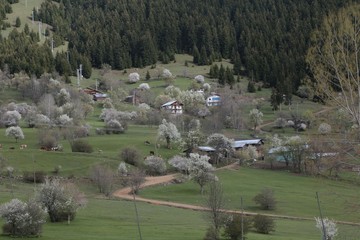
(23, 146)
(147, 143)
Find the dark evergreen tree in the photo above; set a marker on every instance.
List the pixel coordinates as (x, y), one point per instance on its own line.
(222, 76)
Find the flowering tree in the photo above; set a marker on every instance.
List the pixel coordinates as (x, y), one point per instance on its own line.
(64, 120)
(114, 126)
(63, 97)
(15, 132)
(122, 169)
(192, 100)
(11, 118)
(22, 219)
(222, 145)
(200, 79)
(167, 74)
(256, 118)
(60, 200)
(201, 171)
(181, 164)
(167, 131)
(324, 128)
(144, 86)
(327, 227)
(155, 165)
(41, 120)
(134, 77)
(172, 91)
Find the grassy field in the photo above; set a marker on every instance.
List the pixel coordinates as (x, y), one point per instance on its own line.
(295, 194)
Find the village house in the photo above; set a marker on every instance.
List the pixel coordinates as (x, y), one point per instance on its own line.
(96, 94)
(213, 100)
(174, 107)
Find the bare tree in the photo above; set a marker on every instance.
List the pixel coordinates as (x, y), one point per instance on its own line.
(135, 179)
(103, 177)
(334, 61)
(215, 202)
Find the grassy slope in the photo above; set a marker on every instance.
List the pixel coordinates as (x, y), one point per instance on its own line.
(295, 194)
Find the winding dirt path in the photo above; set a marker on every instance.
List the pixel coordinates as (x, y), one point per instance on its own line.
(125, 193)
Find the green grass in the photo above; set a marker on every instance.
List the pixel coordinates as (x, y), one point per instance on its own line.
(113, 219)
(23, 9)
(295, 194)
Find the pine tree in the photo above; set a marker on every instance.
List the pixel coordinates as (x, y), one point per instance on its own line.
(147, 77)
(196, 55)
(221, 78)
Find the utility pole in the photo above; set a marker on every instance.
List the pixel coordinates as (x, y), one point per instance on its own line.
(81, 72)
(321, 217)
(78, 77)
(52, 45)
(137, 216)
(242, 220)
(40, 26)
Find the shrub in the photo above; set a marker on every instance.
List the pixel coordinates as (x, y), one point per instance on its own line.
(80, 145)
(155, 165)
(263, 224)
(130, 156)
(232, 228)
(22, 219)
(103, 177)
(266, 199)
(31, 177)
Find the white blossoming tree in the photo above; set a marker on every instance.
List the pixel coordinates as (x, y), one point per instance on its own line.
(256, 118)
(11, 118)
(221, 144)
(181, 164)
(200, 79)
(167, 131)
(201, 171)
(155, 165)
(144, 86)
(134, 77)
(14, 132)
(22, 219)
(61, 200)
(324, 128)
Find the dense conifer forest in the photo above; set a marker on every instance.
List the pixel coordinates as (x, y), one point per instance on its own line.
(265, 39)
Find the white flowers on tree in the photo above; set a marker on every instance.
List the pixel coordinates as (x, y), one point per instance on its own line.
(60, 200)
(172, 91)
(64, 120)
(167, 74)
(222, 145)
(11, 118)
(324, 128)
(329, 227)
(63, 97)
(155, 165)
(134, 77)
(181, 164)
(167, 131)
(192, 100)
(41, 120)
(22, 219)
(144, 86)
(122, 169)
(200, 79)
(14, 132)
(256, 117)
(201, 171)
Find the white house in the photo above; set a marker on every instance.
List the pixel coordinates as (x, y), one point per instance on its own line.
(174, 107)
(213, 100)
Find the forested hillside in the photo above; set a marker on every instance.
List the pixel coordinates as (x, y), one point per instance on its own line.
(268, 38)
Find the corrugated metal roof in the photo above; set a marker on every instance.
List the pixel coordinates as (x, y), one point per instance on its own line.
(242, 143)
